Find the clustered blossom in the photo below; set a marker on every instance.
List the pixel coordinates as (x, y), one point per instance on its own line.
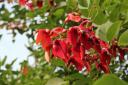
(78, 46)
(26, 3)
(39, 3)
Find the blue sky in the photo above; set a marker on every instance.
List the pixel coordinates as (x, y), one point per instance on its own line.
(13, 50)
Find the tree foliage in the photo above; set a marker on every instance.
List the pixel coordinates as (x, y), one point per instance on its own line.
(110, 18)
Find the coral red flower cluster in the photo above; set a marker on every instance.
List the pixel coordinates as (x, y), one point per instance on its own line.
(30, 5)
(39, 3)
(78, 46)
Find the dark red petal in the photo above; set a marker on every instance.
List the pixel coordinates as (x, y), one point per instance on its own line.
(73, 35)
(122, 53)
(86, 40)
(39, 3)
(105, 56)
(97, 45)
(76, 49)
(104, 67)
(104, 44)
(76, 60)
(113, 50)
(82, 52)
(87, 65)
(51, 2)
(60, 50)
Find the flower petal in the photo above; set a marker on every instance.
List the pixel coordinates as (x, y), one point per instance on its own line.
(47, 56)
(76, 60)
(39, 3)
(73, 17)
(73, 35)
(44, 38)
(22, 2)
(60, 50)
(57, 31)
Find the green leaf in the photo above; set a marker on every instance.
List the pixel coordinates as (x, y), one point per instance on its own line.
(113, 30)
(101, 32)
(30, 14)
(58, 62)
(59, 12)
(123, 39)
(84, 3)
(13, 62)
(75, 76)
(79, 79)
(71, 4)
(100, 18)
(114, 15)
(4, 60)
(110, 79)
(55, 81)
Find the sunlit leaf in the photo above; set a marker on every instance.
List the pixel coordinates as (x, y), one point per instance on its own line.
(111, 79)
(113, 30)
(123, 40)
(55, 81)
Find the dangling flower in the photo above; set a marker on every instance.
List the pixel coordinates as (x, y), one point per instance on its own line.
(43, 37)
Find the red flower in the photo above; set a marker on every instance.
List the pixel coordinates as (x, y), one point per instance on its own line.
(22, 2)
(73, 17)
(97, 45)
(113, 50)
(82, 52)
(39, 3)
(87, 65)
(73, 36)
(30, 6)
(78, 46)
(51, 2)
(83, 24)
(76, 60)
(57, 31)
(76, 50)
(24, 70)
(104, 67)
(60, 50)
(122, 53)
(103, 44)
(105, 56)
(43, 37)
